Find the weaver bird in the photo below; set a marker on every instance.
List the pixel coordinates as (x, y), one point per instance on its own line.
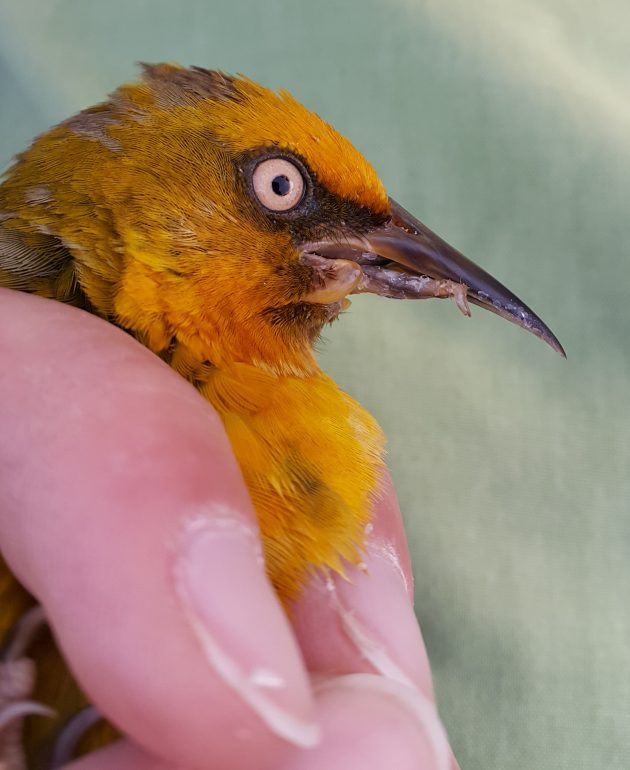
(223, 225)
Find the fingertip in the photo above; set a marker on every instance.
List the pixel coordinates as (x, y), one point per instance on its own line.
(387, 528)
(365, 621)
(237, 625)
(370, 722)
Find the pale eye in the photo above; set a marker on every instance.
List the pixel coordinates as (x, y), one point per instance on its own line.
(278, 184)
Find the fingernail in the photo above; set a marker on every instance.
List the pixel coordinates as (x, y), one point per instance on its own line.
(235, 616)
(376, 612)
(372, 722)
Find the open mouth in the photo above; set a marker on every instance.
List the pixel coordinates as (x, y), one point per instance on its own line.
(387, 279)
(403, 259)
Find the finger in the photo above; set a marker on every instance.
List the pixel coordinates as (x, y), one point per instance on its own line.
(121, 756)
(366, 622)
(123, 511)
(370, 722)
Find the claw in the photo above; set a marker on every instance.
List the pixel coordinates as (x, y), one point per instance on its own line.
(69, 738)
(23, 633)
(21, 709)
(17, 679)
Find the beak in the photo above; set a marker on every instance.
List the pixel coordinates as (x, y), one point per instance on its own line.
(404, 259)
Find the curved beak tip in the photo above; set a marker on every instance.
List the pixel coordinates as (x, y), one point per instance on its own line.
(554, 343)
(404, 239)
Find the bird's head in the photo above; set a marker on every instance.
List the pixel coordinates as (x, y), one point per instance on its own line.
(204, 209)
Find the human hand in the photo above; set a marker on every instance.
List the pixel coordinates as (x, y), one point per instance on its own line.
(123, 511)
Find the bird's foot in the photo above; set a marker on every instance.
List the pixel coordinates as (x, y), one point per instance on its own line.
(71, 735)
(17, 680)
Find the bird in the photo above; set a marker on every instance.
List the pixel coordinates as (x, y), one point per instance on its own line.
(224, 225)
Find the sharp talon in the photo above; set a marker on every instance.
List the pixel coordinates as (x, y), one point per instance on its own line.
(70, 736)
(23, 633)
(21, 709)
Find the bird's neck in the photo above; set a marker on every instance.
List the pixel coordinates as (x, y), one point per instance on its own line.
(312, 459)
(225, 348)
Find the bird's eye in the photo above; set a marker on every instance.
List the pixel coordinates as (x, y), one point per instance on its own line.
(278, 184)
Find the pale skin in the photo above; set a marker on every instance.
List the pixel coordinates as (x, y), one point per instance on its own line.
(110, 467)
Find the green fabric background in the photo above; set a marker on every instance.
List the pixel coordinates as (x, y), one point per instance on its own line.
(505, 125)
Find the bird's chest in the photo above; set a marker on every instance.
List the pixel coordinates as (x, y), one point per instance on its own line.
(311, 457)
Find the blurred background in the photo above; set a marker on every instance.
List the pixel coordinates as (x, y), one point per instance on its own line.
(505, 126)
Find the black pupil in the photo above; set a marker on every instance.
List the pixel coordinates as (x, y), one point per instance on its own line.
(281, 184)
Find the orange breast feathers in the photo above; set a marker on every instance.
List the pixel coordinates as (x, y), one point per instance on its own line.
(311, 457)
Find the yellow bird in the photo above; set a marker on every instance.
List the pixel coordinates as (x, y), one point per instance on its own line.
(223, 225)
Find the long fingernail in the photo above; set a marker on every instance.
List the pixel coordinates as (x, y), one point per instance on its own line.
(235, 616)
(376, 613)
